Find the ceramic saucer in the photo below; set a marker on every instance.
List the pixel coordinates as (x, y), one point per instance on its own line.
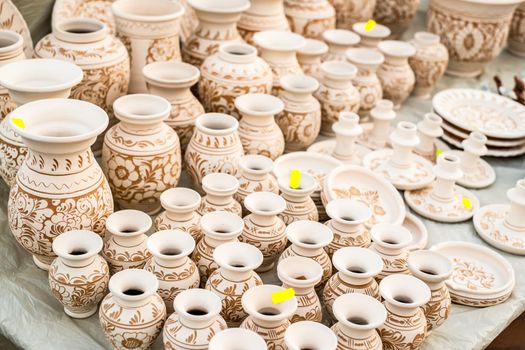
(482, 175)
(418, 231)
(327, 147)
(492, 151)
(11, 19)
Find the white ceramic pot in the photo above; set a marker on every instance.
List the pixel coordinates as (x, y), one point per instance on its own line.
(516, 42)
(310, 18)
(338, 41)
(220, 189)
(11, 50)
(237, 339)
(299, 204)
(396, 14)
(262, 15)
(309, 335)
(370, 38)
(391, 244)
(349, 12)
(310, 56)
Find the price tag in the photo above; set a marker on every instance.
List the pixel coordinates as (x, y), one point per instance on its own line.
(19, 122)
(438, 151)
(466, 203)
(370, 25)
(295, 178)
(283, 295)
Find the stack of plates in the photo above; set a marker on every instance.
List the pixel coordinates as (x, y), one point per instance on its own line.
(499, 118)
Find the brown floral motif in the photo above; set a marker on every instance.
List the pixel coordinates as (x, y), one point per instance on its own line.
(232, 207)
(296, 211)
(457, 299)
(333, 102)
(438, 308)
(488, 222)
(369, 197)
(419, 198)
(164, 49)
(271, 240)
(346, 342)
(342, 239)
(308, 307)
(336, 287)
(417, 173)
(274, 336)
(403, 332)
(191, 226)
(397, 81)
(517, 29)
(429, 65)
(11, 159)
(121, 259)
(471, 275)
(310, 18)
(6, 104)
(182, 119)
(13, 20)
(265, 140)
(349, 12)
(300, 129)
(177, 336)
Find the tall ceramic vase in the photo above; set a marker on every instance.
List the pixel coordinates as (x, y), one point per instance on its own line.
(310, 18)
(262, 15)
(141, 155)
(181, 206)
(396, 14)
(59, 187)
(349, 12)
(11, 50)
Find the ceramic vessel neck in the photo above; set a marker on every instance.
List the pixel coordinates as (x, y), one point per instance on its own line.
(357, 334)
(80, 31)
(407, 311)
(60, 164)
(354, 280)
(346, 227)
(263, 220)
(126, 240)
(217, 24)
(204, 322)
(175, 93)
(515, 217)
(340, 84)
(266, 7)
(443, 189)
(344, 146)
(308, 252)
(219, 199)
(214, 242)
(258, 120)
(235, 275)
(401, 156)
(389, 249)
(180, 216)
(279, 58)
(171, 262)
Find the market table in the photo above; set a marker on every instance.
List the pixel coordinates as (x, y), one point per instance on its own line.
(31, 318)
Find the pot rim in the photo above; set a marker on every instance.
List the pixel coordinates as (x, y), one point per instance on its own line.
(334, 206)
(421, 261)
(374, 263)
(179, 239)
(141, 108)
(263, 163)
(313, 47)
(208, 118)
(396, 48)
(217, 184)
(316, 332)
(371, 305)
(290, 42)
(141, 221)
(153, 73)
(97, 30)
(307, 185)
(211, 221)
(17, 41)
(399, 231)
(252, 303)
(168, 197)
(202, 298)
(234, 336)
(177, 11)
(310, 266)
(378, 32)
(259, 105)
(295, 229)
(297, 83)
(208, 6)
(239, 252)
(417, 290)
(273, 203)
(364, 56)
(64, 244)
(342, 37)
(133, 278)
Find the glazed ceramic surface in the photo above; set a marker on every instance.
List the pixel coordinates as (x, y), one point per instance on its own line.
(262, 15)
(12, 50)
(396, 14)
(12, 19)
(310, 18)
(180, 213)
(350, 12)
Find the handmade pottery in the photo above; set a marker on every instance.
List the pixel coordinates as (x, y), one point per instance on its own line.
(215, 147)
(173, 80)
(150, 33)
(418, 230)
(64, 10)
(262, 15)
(433, 269)
(220, 189)
(132, 314)
(371, 38)
(266, 318)
(218, 227)
(11, 50)
(405, 326)
(169, 262)
(235, 275)
(358, 316)
(79, 276)
(357, 270)
(492, 151)
(258, 130)
(180, 213)
(233, 71)
(310, 55)
(349, 12)
(391, 244)
(299, 204)
(237, 339)
(336, 93)
(188, 23)
(141, 154)
(59, 186)
(396, 14)
(195, 321)
(516, 41)
(310, 18)
(11, 19)
(103, 58)
(375, 135)
(395, 74)
(429, 62)
(126, 247)
(338, 41)
(429, 129)
(309, 335)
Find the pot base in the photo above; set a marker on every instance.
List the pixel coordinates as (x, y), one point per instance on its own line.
(80, 314)
(463, 73)
(41, 265)
(516, 51)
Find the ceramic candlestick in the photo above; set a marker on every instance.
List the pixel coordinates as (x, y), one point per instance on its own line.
(338, 41)
(375, 135)
(310, 57)
(429, 129)
(220, 189)
(299, 204)
(309, 335)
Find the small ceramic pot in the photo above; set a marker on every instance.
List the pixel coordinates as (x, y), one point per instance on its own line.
(233, 71)
(220, 189)
(309, 335)
(396, 14)
(310, 55)
(132, 314)
(181, 206)
(173, 80)
(266, 318)
(391, 244)
(395, 74)
(357, 268)
(258, 130)
(516, 41)
(215, 147)
(300, 120)
(336, 93)
(433, 269)
(141, 154)
(262, 15)
(310, 18)
(358, 316)
(237, 339)
(405, 326)
(339, 40)
(299, 204)
(150, 33)
(429, 129)
(349, 12)
(235, 275)
(370, 38)
(79, 276)
(218, 227)
(170, 264)
(11, 50)
(195, 321)
(429, 62)
(263, 228)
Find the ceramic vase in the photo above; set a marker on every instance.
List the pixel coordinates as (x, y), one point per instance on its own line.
(220, 189)
(516, 41)
(59, 186)
(218, 227)
(395, 74)
(299, 204)
(235, 275)
(79, 276)
(132, 314)
(188, 23)
(310, 56)
(150, 33)
(237, 339)
(263, 228)
(262, 15)
(309, 335)
(141, 154)
(11, 50)
(391, 244)
(339, 40)
(217, 26)
(103, 58)
(405, 326)
(266, 318)
(429, 129)
(336, 93)
(310, 18)
(233, 71)
(169, 262)
(215, 147)
(349, 12)
(300, 120)
(258, 130)
(173, 80)
(370, 38)
(396, 14)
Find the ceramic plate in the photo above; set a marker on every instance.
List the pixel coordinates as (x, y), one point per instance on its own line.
(328, 146)
(418, 231)
(97, 9)
(11, 19)
(492, 151)
(476, 110)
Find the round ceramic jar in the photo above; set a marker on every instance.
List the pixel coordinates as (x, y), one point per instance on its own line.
(181, 206)
(299, 204)
(310, 18)
(349, 12)
(396, 14)
(220, 189)
(370, 38)
(262, 15)
(339, 40)
(11, 49)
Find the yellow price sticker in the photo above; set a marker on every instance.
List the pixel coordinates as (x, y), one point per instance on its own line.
(295, 178)
(466, 202)
(283, 295)
(19, 122)
(370, 25)
(438, 151)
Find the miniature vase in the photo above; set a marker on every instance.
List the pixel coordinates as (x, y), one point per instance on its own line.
(395, 74)
(310, 18)
(220, 189)
(382, 115)
(302, 274)
(266, 318)
(169, 262)
(215, 147)
(309, 335)
(173, 80)
(516, 41)
(233, 71)
(217, 26)
(405, 326)
(59, 186)
(103, 58)
(310, 56)
(263, 228)
(141, 154)
(262, 15)
(429, 129)
(370, 38)
(79, 276)
(357, 269)
(180, 213)
(429, 63)
(218, 227)
(391, 244)
(349, 12)
(358, 316)
(299, 204)
(150, 33)
(338, 41)
(235, 275)
(11, 50)
(336, 93)
(133, 313)
(396, 14)
(300, 120)
(126, 247)
(237, 339)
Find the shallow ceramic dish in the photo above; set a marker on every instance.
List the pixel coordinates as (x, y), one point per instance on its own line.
(482, 176)
(492, 151)
(98, 9)
(11, 19)
(327, 147)
(418, 231)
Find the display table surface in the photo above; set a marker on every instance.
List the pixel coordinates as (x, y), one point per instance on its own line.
(31, 318)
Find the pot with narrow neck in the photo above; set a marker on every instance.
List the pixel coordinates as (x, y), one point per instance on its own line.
(309, 335)
(262, 15)
(299, 204)
(180, 213)
(391, 243)
(310, 18)
(338, 41)
(310, 57)
(220, 189)
(11, 50)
